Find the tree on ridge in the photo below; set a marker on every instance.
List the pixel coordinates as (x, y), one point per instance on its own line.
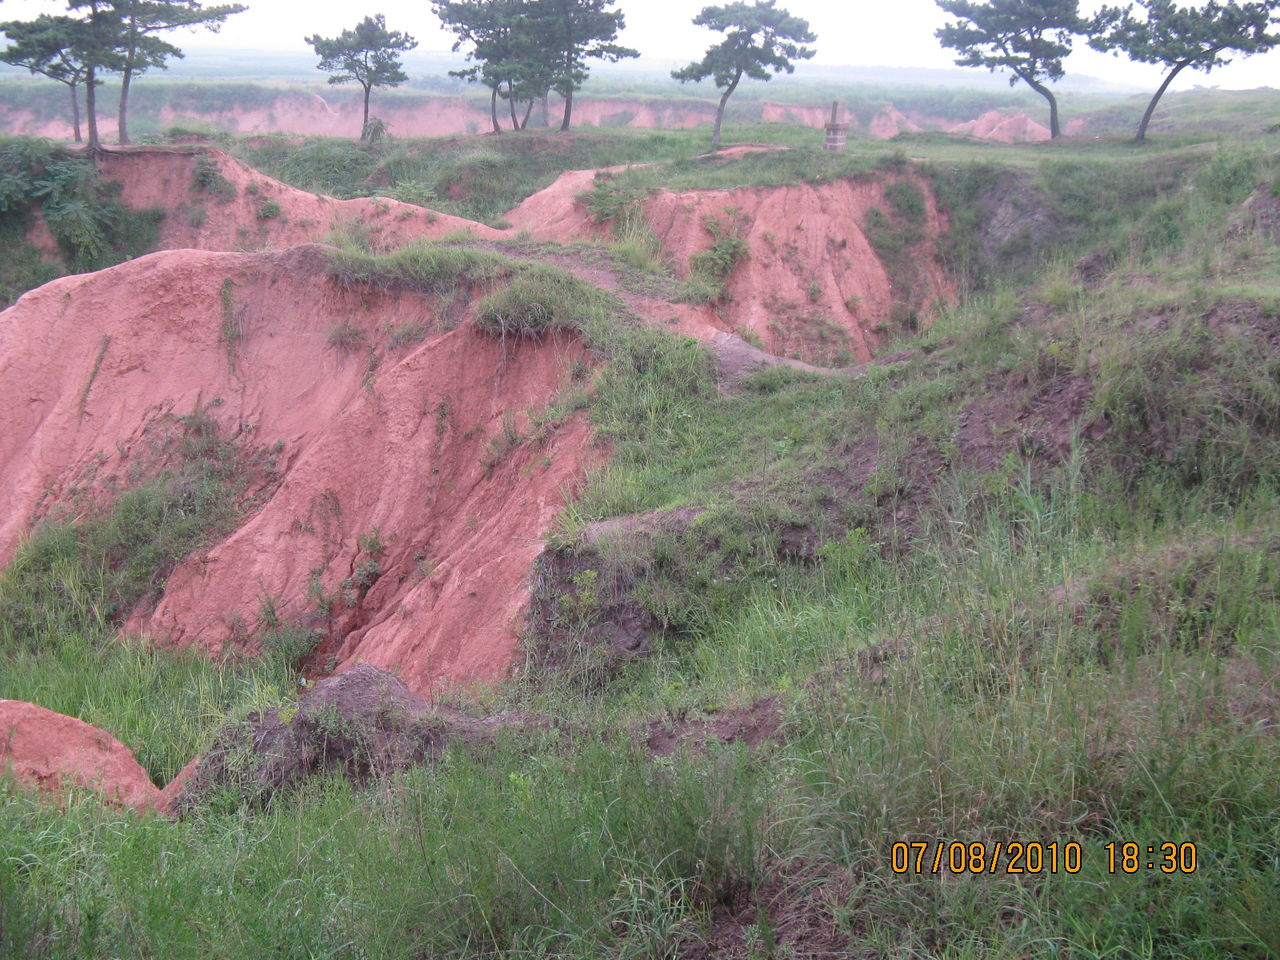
(533, 47)
(578, 31)
(100, 46)
(1030, 38)
(506, 51)
(369, 55)
(760, 41)
(50, 46)
(141, 20)
(1180, 37)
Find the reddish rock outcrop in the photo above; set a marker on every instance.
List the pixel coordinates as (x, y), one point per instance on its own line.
(56, 753)
(304, 112)
(247, 210)
(890, 122)
(1003, 127)
(413, 489)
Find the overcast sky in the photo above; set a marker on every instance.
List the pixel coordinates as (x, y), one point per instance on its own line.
(865, 33)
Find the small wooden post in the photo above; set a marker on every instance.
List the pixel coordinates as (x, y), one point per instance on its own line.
(837, 133)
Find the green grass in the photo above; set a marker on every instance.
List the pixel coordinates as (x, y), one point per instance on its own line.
(1074, 609)
(520, 298)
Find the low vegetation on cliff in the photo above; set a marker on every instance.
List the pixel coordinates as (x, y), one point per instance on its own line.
(88, 226)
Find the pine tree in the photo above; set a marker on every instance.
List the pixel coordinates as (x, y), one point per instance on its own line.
(369, 55)
(1180, 37)
(760, 41)
(1029, 38)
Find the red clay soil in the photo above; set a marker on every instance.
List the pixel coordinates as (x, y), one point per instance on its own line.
(1001, 126)
(890, 122)
(409, 507)
(812, 286)
(55, 753)
(199, 219)
(308, 113)
(1004, 128)
(414, 447)
(812, 279)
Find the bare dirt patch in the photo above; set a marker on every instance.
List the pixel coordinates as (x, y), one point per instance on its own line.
(753, 725)
(54, 754)
(792, 915)
(811, 284)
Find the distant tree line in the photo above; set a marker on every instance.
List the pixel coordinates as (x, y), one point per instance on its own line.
(104, 36)
(524, 50)
(1030, 38)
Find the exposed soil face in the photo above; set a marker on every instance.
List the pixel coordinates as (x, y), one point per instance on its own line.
(309, 113)
(409, 503)
(584, 621)
(1034, 421)
(753, 725)
(55, 753)
(215, 202)
(1004, 127)
(811, 286)
(1000, 126)
(890, 122)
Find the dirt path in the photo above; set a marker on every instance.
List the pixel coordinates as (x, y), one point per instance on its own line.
(735, 357)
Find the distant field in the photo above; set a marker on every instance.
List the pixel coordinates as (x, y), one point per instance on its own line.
(41, 108)
(250, 107)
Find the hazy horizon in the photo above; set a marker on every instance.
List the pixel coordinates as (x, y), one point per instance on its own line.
(877, 36)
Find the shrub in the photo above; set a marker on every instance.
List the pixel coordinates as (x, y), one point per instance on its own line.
(92, 227)
(709, 269)
(539, 301)
(207, 178)
(906, 199)
(346, 337)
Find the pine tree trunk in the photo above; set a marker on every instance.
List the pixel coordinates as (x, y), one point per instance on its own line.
(527, 110)
(715, 132)
(91, 108)
(122, 119)
(511, 106)
(122, 135)
(1151, 107)
(1055, 129)
(364, 123)
(493, 109)
(75, 111)
(568, 111)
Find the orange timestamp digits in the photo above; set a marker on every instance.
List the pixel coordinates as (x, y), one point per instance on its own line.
(998, 856)
(982, 857)
(1168, 857)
